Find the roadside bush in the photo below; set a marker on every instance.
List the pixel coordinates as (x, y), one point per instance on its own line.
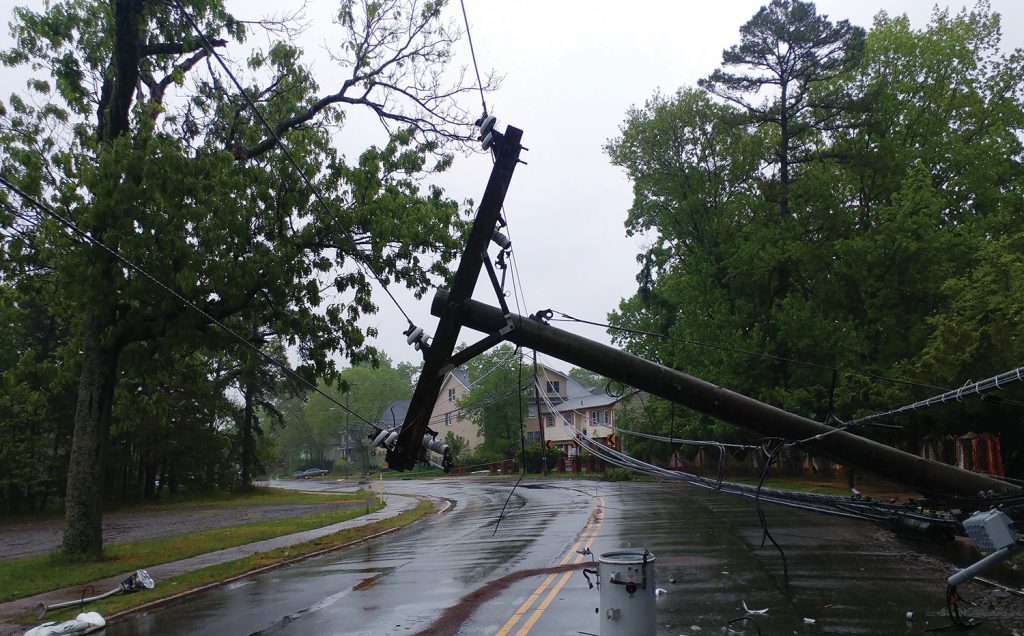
(617, 474)
(343, 468)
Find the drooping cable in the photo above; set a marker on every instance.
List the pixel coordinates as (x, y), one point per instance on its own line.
(765, 533)
(522, 439)
(977, 389)
(568, 318)
(69, 224)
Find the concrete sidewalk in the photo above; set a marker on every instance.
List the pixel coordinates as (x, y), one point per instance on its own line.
(12, 611)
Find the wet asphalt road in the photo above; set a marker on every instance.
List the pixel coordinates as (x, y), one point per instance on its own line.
(848, 577)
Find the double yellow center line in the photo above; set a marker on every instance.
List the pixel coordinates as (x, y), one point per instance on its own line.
(586, 539)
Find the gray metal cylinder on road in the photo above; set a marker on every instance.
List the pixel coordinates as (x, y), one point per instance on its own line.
(627, 593)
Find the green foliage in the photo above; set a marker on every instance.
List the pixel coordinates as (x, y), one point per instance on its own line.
(458, 445)
(888, 249)
(587, 379)
(310, 426)
(495, 402)
(617, 474)
(535, 454)
(135, 142)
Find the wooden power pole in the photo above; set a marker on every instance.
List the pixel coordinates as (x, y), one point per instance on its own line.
(924, 475)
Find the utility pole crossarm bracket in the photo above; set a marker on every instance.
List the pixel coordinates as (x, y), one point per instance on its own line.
(408, 447)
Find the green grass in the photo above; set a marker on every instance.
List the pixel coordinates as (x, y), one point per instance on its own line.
(252, 497)
(35, 574)
(796, 484)
(224, 571)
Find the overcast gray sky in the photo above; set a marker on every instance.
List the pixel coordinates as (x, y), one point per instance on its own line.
(571, 69)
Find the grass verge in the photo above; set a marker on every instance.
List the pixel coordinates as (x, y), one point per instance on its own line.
(32, 575)
(253, 497)
(198, 580)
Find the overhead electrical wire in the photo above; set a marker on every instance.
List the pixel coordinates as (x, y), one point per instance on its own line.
(979, 389)
(69, 224)
(472, 52)
(863, 509)
(522, 441)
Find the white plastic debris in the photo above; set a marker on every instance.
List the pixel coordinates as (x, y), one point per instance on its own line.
(660, 591)
(753, 611)
(809, 621)
(84, 623)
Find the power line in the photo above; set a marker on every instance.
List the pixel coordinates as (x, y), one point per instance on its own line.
(472, 52)
(978, 389)
(69, 224)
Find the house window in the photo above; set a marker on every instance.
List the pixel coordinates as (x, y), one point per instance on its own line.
(549, 420)
(599, 418)
(553, 386)
(451, 395)
(531, 411)
(447, 419)
(532, 436)
(568, 418)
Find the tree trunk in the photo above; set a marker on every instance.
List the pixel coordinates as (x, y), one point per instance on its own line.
(83, 520)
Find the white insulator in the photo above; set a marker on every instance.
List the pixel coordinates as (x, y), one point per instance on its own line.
(390, 441)
(488, 140)
(380, 437)
(503, 241)
(414, 336)
(432, 443)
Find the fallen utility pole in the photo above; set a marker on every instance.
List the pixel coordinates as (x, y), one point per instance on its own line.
(924, 475)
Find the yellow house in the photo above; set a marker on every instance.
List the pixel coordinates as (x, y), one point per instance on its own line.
(447, 416)
(565, 405)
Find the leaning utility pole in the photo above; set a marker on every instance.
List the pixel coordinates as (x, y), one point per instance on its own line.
(895, 465)
(414, 437)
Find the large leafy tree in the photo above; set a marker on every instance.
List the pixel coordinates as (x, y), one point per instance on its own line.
(309, 427)
(790, 50)
(151, 156)
(496, 402)
(783, 76)
(899, 215)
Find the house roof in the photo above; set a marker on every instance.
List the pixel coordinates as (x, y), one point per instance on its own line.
(574, 389)
(394, 413)
(462, 376)
(585, 402)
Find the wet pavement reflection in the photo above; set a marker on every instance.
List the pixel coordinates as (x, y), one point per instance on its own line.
(844, 576)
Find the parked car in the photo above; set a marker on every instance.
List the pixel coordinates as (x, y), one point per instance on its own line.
(309, 472)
